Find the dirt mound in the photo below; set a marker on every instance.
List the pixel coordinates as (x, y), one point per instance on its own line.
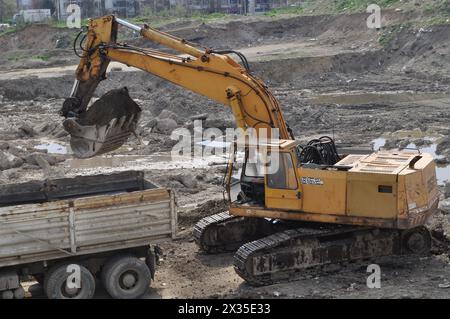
(420, 51)
(37, 37)
(209, 208)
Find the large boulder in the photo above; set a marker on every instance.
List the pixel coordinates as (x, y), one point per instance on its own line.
(188, 181)
(26, 130)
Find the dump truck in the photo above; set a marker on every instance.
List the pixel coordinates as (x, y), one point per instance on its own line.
(68, 232)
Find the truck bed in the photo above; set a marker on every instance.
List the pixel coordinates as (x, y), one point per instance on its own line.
(41, 221)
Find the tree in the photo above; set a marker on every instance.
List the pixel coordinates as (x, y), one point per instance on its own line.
(7, 9)
(48, 4)
(214, 6)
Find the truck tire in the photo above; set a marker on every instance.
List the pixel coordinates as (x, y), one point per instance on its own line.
(126, 277)
(56, 284)
(7, 294)
(19, 293)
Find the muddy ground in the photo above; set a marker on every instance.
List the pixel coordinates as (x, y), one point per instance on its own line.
(332, 76)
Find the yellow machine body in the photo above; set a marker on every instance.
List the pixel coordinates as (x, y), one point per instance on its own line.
(382, 190)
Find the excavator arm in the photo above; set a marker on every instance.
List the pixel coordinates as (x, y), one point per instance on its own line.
(207, 72)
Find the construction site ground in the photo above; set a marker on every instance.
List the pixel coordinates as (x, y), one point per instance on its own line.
(332, 75)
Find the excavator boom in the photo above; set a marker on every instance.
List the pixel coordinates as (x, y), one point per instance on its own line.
(213, 74)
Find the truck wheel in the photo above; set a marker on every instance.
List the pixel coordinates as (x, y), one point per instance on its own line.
(126, 277)
(19, 293)
(7, 294)
(56, 284)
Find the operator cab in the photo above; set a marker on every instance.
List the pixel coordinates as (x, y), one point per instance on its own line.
(278, 161)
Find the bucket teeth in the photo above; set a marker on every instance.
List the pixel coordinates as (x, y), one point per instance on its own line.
(105, 126)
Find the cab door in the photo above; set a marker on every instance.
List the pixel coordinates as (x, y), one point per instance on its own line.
(281, 185)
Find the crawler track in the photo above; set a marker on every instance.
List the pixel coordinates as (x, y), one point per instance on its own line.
(295, 253)
(222, 232)
(268, 255)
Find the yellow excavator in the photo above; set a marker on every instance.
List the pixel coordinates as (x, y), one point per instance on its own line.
(318, 208)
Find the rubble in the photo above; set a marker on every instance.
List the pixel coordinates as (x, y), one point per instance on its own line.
(8, 160)
(26, 130)
(37, 158)
(447, 190)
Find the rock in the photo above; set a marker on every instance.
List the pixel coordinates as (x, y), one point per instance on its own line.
(447, 190)
(14, 150)
(201, 117)
(27, 130)
(406, 70)
(443, 147)
(165, 126)
(441, 161)
(42, 162)
(166, 114)
(219, 121)
(8, 160)
(146, 127)
(174, 184)
(3, 178)
(46, 127)
(12, 174)
(34, 159)
(188, 181)
(61, 133)
(444, 206)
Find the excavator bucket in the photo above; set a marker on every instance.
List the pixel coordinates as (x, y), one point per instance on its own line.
(105, 126)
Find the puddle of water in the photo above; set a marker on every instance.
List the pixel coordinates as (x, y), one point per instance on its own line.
(442, 170)
(378, 142)
(52, 148)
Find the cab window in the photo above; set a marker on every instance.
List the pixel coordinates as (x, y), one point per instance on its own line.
(284, 177)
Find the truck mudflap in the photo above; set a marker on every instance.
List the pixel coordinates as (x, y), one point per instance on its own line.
(152, 259)
(105, 126)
